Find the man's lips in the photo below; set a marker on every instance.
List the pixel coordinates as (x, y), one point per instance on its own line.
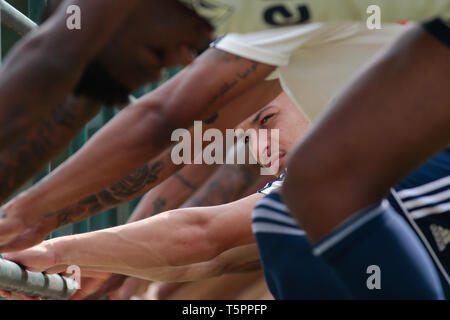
(278, 158)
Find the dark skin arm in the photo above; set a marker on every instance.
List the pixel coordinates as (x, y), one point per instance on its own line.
(71, 51)
(31, 152)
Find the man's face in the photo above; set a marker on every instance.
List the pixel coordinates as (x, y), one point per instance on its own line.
(281, 114)
(159, 34)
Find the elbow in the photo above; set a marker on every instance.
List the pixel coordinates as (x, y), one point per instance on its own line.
(44, 56)
(40, 45)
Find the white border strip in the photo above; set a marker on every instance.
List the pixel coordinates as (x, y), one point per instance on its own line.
(441, 208)
(272, 203)
(421, 236)
(425, 188)
(330, 242)
(273, 215)
(427, 200)
(263, 227)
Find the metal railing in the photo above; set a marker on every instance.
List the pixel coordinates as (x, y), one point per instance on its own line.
(35, 284)
(15, 19)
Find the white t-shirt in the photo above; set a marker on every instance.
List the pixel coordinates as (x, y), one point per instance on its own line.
(315, 61)
(244, 16)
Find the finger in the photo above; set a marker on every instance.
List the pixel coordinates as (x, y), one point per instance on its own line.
(89, 285)
(89, 289)
(6, 294)
(57, 269)
(113, 283)
(36, 259)
(165, 289)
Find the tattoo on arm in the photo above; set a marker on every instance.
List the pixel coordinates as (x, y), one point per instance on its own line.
(185, 182)
(227, 86)
(129, 187)
(77, 212)
(3, 214)
(226, 185)
(222, 56)
(31, 152)
(159, 205)
(212, 119)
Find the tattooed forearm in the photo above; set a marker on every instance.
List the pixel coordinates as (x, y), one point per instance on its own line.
(173, 192)
(123, 191)
(3, 213)
(227, 86)
(29, 154)
(250, 70)
(185, 182)
(226, 185)
(77, 212)
(212, 119)
(132, 184)
(159, 205)
(221, 56)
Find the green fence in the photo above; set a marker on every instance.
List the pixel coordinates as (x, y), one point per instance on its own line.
(109, 218)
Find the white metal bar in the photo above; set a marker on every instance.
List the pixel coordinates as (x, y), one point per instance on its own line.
(35, 284)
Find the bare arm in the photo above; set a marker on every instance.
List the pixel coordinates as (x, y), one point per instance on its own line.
(173, 238)
(228, 184)
(142, 131)
(167, 196)
(120, 192)
(59, 53)
(356, 122)
(225, 185)
(31, 152)
(240, 259)
(173, 192)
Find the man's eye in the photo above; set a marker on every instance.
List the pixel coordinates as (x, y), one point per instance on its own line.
(266, 118)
